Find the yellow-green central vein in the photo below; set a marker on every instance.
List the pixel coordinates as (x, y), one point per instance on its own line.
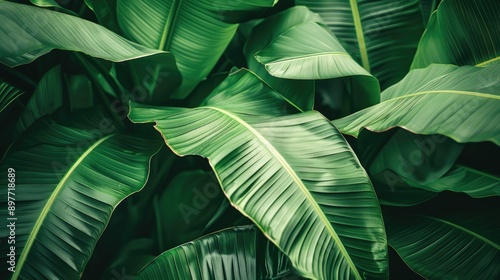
(462, 92)
(48, 206)
(287, 59)
(299, 183)
(360, 35)
(166, 36)
(484, 63)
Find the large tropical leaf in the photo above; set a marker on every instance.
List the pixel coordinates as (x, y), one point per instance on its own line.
(47, 98)
(380, 35)
(68, 182)
(461, 247)
(235, 253)
(461, 32)
(35, 31)
(300, 92)
(459, 102)
(191, 30)
(295, 176)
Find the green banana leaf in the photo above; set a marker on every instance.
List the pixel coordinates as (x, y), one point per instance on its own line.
(68, 181)
(300, 92)
(461, 32)
(380, 35)
(191, 30)
(46, 99)
(461, 247)
(458, 102)
(30, 36)
(295, 176)
(235, 253)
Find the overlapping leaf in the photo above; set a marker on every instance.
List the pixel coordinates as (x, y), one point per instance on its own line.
(380, 35)
(293, 175)
(458, 102)
(34, 32)
(320, 56)
(68, 181)
(235, 253)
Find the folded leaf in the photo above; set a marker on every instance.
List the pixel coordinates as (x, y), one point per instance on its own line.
(68, 181)
(458, 102)
(320, 55)
(380, 35)
(35, 31)
(235, 253)
(461, 32)
(458, 248)
(299, 92)
(295, 176)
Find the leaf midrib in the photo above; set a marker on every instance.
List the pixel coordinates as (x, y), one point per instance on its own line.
(461, 92)
(300, 57)
(299, 182)
(359, 34)
(166, 36)
(48, 205)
